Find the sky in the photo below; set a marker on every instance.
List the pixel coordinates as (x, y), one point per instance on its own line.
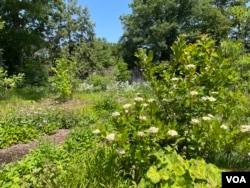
(105, 14)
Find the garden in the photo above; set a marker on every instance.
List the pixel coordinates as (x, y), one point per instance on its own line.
(187, 123)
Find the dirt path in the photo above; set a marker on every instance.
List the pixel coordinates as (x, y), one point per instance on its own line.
(19, 150)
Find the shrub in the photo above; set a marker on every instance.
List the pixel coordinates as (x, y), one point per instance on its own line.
(99, 82)
(7, 83)
(64, 79)
(195, 92)
(171, 170)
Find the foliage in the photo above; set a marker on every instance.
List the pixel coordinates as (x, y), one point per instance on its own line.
(171, 170)
(99, 82)
(28, 124)
(155, 25)
(26, 25)
(42, 168)
(195, 91)
(9, 82)
(64, 80)
(122, 74)
(36, 72)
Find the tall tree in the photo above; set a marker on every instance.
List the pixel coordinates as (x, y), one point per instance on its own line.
(156, 24)
(26, 23)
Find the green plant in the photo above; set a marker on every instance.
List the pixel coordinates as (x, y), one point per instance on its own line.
(195, 93)
(122, 74)
(99, 82)
(171, 170)
(64, 79)
(10, 82)
(41, 168)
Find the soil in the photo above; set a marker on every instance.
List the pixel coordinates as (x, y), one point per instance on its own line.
(19, 150)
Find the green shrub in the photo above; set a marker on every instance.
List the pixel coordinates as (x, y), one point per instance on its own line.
(7, 83)
(64, 79)
(171, 170)
(99, 82)
(195, 93)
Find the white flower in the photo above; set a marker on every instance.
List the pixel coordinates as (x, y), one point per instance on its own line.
(210, 115)
(190, 66)
(138, 99)
(143, 118)
(144, 104)
(172, 133)
(248, 154)
(206, 98)
(153, 130)
(115, 114)
(211, 99)
(174, 79)
(110, 137)
(206, 118)
(151, 100)
(245, 128)
(140, 134)
(223, 126)
(121, 152)
(193, 93)
(96, 131)
(126, 106)
(195, 121)
(214, 93)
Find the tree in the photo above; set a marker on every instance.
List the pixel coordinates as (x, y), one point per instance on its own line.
(74, 35)
(155, 25)
(26, 24)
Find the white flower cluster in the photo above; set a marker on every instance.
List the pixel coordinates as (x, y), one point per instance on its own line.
(190, 66)
(121, 151)
(110, 137)
(116, 114)
(172, 133)
(174, 79)
(96, 131)
(207, 98)
(138, 99)
(140, 134)
(127, 106)
(214, 93)
(153, 130)
(193, 93)
(144, 105)
(142, 118)
(151, 100)
(195, 121)
(223, 126)
(245, 128)
(206, 118)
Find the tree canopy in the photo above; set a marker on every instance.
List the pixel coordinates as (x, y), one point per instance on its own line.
(156, 24)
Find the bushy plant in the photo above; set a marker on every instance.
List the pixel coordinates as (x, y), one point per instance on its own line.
(196, 92)
(171, 170)
(10, 82)
(121, 72)
(27, 124)
(43, 167)
(36, 72)
(64, 79)
(99, 82)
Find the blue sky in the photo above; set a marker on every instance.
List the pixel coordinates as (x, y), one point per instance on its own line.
(105, 14)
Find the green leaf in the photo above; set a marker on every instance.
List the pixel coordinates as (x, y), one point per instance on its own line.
(153, 174)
